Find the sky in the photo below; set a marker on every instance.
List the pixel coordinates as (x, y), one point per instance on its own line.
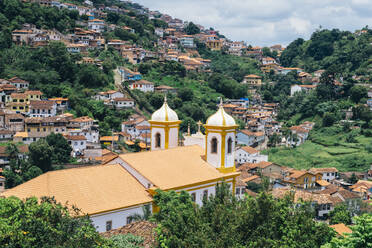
(268, 22)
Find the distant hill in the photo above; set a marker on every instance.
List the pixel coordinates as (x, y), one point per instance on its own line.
(350, 52)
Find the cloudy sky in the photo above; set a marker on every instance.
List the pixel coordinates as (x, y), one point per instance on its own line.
(268, 22)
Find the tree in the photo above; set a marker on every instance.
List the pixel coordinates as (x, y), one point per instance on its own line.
(353, 179)
(46, 224)
(357, 93)
(191, 29)
(41, 155)
(61, 148)
(185, 94)
(359, 238)
(224, 221)
(340, 214)
(328, 119)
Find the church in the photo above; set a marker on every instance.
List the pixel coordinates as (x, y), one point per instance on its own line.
(113, 192)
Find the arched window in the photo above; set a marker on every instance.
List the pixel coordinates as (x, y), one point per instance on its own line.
(157, 140)
(214, 145)
(229, 145)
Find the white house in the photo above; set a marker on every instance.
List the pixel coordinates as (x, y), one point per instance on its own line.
(247, 154)
(123, 102)
(96, 25)
(108, 95)
(42, 108)
(135, 126)
(248, 138)
(328, 174)
(142, 85)
(78, 144)
(297, 88)
(91, 134)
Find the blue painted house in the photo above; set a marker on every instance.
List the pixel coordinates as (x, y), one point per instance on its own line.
(129, 75)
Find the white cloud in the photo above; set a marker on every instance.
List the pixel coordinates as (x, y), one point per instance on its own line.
(267, 22)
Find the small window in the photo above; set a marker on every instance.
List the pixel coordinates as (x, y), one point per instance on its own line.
(44, 129)
(193, 197)
(38, 129)
(1, 184)
(214, 145)
(237, 191)
(82, 143)
(157, 140)
(108, 225)
(229, 145)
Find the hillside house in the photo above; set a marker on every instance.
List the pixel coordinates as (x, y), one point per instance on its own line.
(165, 89)
(298, 88)
(108, 95)
(142, 85)
(6, 135)
(19, 83)
(4, 156)
(328, 174)
(61, 103)
(263, 167)
(129, 75)
(96, 25)
(78, 144)
(42, 108)
(248, 138)
(302, 179)
(247, 154)
(14, 122)
(123, 102)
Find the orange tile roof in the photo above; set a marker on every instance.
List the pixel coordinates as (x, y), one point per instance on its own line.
(249, 149)
(174, 168)
(93, 189)
(109, 138)
(341, 229)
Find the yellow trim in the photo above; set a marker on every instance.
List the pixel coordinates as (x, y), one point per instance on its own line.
(233, 185)
(167, 123)
(207, 186)
(221, 127)
(233, 175)
(227, 170)
(115, 209)
(166, 133)
(223, 148)
(206, 144)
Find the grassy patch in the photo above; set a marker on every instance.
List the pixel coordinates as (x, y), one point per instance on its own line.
(327, 148)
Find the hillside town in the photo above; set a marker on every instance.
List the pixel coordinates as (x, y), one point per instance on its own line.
(117, 166)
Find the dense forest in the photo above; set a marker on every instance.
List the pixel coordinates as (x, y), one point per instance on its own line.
(349, 52)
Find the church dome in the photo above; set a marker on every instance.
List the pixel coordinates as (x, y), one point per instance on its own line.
(221, 118)
(165, 113)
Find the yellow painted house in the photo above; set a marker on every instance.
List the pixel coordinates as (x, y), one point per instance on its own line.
(19, 102)
(303, 179)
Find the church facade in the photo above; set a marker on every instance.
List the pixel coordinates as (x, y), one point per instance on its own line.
(114, 191)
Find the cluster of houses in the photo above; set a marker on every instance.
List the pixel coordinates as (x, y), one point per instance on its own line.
(26, 116)
(320, 186)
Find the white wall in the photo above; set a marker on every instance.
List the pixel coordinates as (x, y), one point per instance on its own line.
(173, 137)
(213, 158)
(118, 218)
(199, 190)
(154, 131)
(230, 158)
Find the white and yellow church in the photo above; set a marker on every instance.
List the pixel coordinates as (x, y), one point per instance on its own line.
(111, 193)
